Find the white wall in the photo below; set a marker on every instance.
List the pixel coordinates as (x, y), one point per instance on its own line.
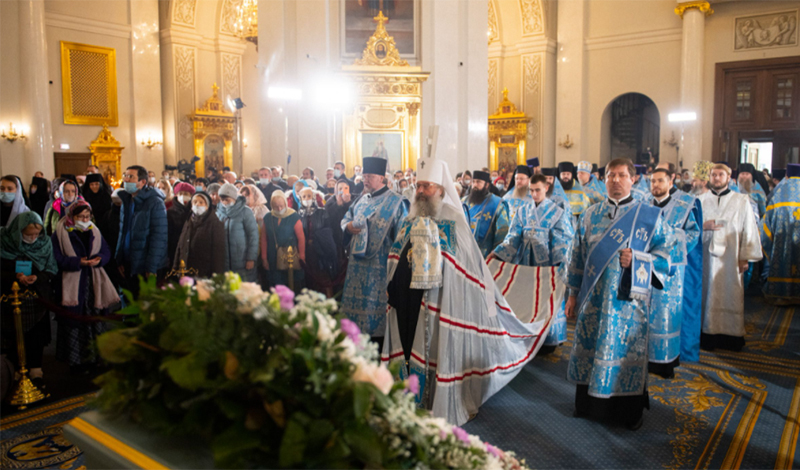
(11, 161)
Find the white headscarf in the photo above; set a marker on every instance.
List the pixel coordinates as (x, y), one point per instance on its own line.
(18, 206)
(437, 171)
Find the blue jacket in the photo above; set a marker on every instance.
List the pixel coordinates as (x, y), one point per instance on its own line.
(243, 239)
(142, 244)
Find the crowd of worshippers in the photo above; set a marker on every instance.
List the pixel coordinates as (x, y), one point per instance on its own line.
(77, 242)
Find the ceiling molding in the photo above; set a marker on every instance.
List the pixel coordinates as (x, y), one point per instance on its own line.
(634, 39)
(104, 28)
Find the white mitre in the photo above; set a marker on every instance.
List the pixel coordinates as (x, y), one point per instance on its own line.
(436, 171)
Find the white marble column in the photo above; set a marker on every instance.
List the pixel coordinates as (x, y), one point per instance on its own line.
(693, 44)
(571, 89)
(35, 104)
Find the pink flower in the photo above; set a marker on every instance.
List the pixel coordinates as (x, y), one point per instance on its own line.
(493, 450)
(186, 281)
(375, 374)
(412, 384)
(462, 435)
(351, 330)
(286, 296)
(442, 434)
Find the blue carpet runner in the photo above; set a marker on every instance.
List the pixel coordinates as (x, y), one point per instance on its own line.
(730, 410)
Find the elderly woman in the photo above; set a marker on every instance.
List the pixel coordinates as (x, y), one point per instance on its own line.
(69, 194)
(202, 236)
(283, 229)
(12, 199)
(86, 290)
(165, 187)
(27, 258)
(241, 231)
(256, 202)
(177, 216)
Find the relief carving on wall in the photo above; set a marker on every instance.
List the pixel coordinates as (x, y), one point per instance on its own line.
(184, 65)
(777, 29)
(183, 12)
(493, 80)
(229, 16)
(493, 27)
(231, 75)
(531, 78)
(532, 17)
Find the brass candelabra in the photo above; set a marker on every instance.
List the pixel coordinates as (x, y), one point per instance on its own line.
(290, 263)
(182, 271)
(26, 392)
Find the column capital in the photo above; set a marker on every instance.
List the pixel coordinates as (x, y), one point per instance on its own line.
(704, 7)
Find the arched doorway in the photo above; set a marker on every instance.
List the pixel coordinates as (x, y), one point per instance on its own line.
(630, 128)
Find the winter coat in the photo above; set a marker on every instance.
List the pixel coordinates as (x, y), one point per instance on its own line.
(242, 236)
(200, 245)
(79, 243)
(142, 244)
(177, 215)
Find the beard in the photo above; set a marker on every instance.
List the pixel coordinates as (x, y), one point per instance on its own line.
(719, 188)
(567, 185)
(550, 190)
(520, 192)
(659, 194)
(746, 186)
(477, 196)
(426, 207)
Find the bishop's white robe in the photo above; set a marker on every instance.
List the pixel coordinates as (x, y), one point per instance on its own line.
(739, 240)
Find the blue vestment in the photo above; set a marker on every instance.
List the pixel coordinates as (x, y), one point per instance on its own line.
(780, 240)
(489, 222)
(364, 297)
(595, 190)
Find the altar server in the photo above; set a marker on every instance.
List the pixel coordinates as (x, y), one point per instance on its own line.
(730, 241)
(780, 239)
(448, 323)
(621, 249)
(488, 214)
(370, 227)
(519, 193)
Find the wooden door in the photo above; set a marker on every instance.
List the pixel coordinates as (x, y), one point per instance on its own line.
(72, 163)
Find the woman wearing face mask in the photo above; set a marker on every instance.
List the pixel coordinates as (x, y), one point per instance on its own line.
(27, 259)
(201, 239)
(165, 187)
(86, 290)
(241, 231)
(282, 229)
(69, 194)
(177, 215)
(256, 202)
(12, 200)
(500, 184)
(94, 193)
(322, 262)
(294, 200)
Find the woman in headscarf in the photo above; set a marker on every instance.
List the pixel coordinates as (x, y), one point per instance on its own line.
(69, 194)
(201, 239)
(12, 199)
(256, 202)
(321, 251)
(27, 259)
(294, 201)
(241, 231)
(86, 290)
(177, 215)
(95, 194)
(169, 196)
(282, 229)
(39, 195)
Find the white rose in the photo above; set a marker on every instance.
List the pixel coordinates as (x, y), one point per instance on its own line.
(377, 375)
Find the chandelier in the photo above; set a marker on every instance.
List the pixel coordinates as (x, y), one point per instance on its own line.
(246, 26)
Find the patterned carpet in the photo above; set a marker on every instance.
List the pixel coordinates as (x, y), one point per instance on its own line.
(730, 410)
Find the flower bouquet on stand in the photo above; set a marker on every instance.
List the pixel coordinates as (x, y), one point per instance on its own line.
(264, 379)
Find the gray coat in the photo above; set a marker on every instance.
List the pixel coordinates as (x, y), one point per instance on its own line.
(242, 237)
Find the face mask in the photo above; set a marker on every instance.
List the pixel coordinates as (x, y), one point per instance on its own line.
(282, 211)
(131, 187)
(198, 188)
(184, 199)
(83, 226)
(337, 173)
(33, 190)
(199, 210)
(152, 180)
(263, 181)
(307, 203)
(501, 187)
(56, 195)
(276, 179)
(467, 182)
(8, 198)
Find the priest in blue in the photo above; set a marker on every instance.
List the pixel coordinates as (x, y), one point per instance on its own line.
(488, 214)
(578, 200)
(540, 235)
(592, 187)
(519, 193)
(679, 211)
(752, 182)
(641, 186)
(554, 190)
(780, 240)
(370, 227)
(621, 250)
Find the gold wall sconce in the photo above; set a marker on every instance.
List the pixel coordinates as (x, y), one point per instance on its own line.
(566, 144)
(12, 135)
(150, 143)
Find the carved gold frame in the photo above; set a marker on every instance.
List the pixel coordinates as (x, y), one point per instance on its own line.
(212, 119)
(507, 122)
(106, 150)
(111, 85)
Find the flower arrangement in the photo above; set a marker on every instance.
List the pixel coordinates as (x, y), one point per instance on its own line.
(270, 380)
